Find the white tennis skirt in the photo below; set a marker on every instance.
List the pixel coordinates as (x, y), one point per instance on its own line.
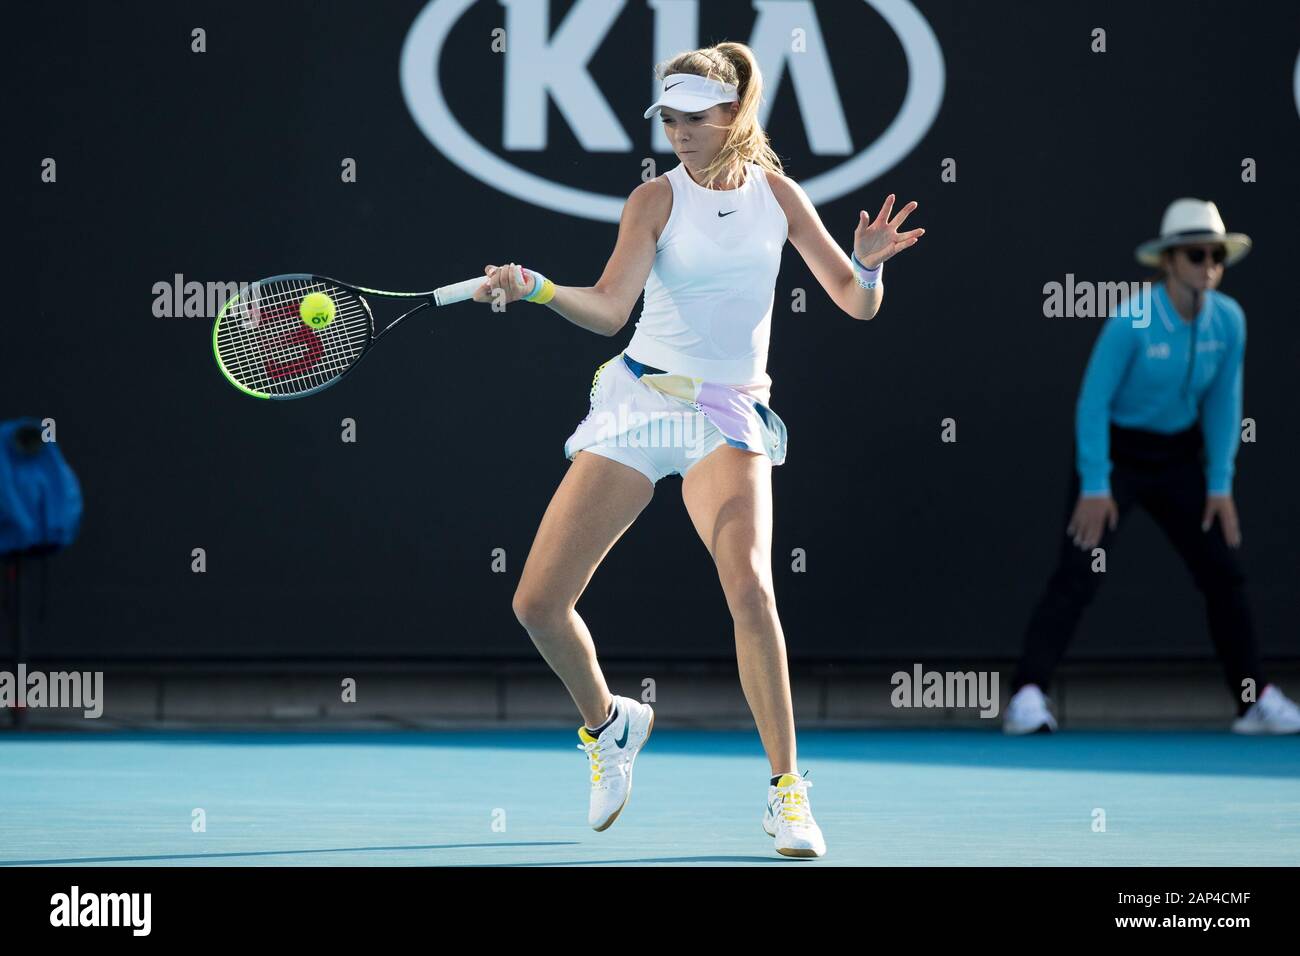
(662, 423)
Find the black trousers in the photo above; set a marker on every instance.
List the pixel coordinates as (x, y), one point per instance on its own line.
(1164, 475)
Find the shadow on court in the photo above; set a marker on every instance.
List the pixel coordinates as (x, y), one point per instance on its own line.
(200, 858)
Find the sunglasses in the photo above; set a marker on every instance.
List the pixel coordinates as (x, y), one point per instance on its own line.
(1196, 255)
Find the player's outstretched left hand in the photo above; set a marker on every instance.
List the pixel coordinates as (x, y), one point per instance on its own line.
(876, 242)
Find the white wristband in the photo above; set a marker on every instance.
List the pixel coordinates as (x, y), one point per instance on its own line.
(867, 278)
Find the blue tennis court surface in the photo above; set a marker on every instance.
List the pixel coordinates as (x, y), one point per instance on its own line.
(519, 797)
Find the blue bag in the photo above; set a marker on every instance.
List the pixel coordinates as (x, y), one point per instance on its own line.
(40, 498)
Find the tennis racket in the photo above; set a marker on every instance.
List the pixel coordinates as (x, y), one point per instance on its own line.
(266, 348)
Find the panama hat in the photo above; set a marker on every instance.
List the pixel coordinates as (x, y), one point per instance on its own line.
(1189, 222)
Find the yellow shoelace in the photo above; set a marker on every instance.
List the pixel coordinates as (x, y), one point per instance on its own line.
(594, 755)
(794, 801)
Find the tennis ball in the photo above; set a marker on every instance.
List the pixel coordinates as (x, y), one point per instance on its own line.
(317, 310)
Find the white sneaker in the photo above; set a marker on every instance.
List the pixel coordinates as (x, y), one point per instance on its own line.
(1027, 712)
(1273, 713)
(611, 755)
(789, 818)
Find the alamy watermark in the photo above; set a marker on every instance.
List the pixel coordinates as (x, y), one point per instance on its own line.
(946, 689)
(636, 429)
(1098, 300)
(76, 908)
(177, 298)
(57, 689)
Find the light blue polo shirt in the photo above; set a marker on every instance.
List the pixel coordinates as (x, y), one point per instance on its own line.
(1163, 378)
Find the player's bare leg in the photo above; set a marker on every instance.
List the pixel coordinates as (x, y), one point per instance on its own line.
(596, 502)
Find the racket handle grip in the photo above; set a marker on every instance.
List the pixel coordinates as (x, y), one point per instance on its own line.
(457, 291)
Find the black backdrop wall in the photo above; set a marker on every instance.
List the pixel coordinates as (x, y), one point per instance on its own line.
(225, 166)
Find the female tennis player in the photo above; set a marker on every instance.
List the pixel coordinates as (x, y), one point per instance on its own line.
(1156, 425)
(690, 396)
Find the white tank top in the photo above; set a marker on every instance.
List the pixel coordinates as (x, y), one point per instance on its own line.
(708, 298)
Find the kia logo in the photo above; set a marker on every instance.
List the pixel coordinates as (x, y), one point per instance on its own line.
(540, 64)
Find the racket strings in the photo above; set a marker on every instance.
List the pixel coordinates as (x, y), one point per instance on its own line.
(266, 351)
(265, 347)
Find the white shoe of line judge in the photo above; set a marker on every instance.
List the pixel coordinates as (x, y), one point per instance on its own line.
(1273, 713)
(1027, 712)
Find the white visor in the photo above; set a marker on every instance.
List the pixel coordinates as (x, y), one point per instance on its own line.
(690, 93)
